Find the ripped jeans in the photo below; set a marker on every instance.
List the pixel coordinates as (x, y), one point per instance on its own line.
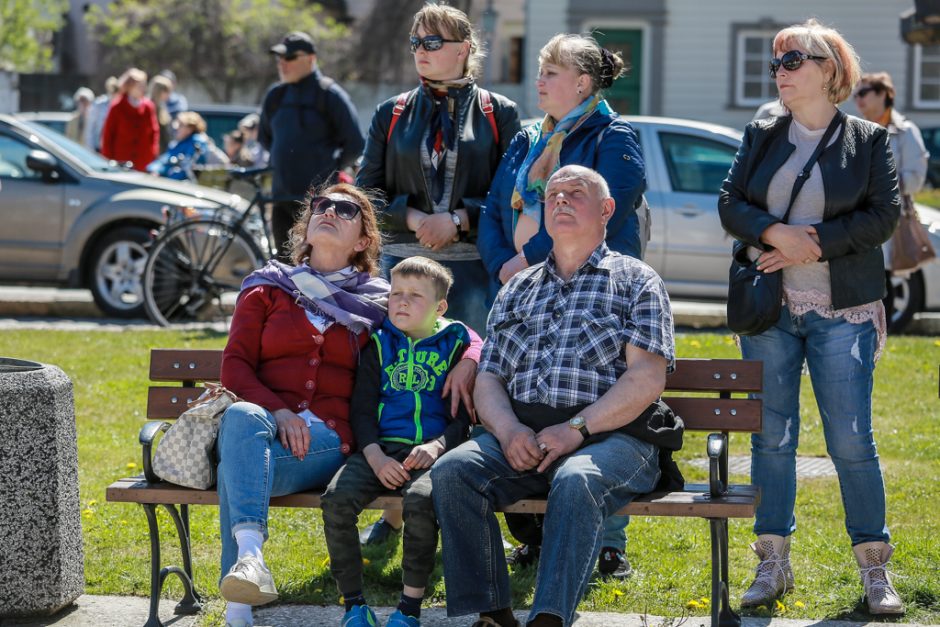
(840, 357)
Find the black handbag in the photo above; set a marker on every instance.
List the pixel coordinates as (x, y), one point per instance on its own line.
(754, 297)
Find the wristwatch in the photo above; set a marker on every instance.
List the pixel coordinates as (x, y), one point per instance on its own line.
(578, 423)
(455, 217)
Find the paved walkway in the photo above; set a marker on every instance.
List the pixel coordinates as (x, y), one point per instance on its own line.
(102, 611)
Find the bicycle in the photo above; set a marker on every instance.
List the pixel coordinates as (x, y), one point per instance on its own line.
(194, 264)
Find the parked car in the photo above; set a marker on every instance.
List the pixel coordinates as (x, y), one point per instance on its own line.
(71, 218)
(56, 120)
(686, 163)
(220, 119)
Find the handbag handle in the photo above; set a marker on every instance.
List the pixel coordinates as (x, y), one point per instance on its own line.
(802, 177)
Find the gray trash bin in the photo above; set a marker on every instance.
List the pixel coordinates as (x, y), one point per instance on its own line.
(41, 561)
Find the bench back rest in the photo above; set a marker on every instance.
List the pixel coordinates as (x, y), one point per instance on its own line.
(711, 381)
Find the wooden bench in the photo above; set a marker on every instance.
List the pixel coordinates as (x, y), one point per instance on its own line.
(716, 412)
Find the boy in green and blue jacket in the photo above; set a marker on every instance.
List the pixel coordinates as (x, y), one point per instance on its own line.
(402, 425)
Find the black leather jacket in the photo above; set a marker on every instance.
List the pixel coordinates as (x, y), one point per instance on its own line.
(394, 169)
(861, 209)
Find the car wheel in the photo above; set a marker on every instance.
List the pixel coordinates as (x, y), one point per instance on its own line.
(116, 270)
(905, 298)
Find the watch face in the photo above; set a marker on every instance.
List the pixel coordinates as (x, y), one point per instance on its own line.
(577, 422)
(455, 218)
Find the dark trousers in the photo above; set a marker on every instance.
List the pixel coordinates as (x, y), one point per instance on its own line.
(283, 216)
(354, 487)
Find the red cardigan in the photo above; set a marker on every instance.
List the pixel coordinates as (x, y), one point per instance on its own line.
(131, 133)
(276, 359)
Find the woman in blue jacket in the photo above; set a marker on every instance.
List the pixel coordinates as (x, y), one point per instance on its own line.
(579, 128)
(190, 147)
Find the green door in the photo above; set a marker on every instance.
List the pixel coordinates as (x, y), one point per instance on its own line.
(624, 96)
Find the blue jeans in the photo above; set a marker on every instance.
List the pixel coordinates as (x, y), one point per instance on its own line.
(840, 357)
(582, 489)
(254, 466)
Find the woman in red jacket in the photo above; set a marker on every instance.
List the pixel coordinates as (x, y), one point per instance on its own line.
(131, 131)
(291, 357)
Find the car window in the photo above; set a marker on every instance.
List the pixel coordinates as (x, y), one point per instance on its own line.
(13, 154)
(696, 164)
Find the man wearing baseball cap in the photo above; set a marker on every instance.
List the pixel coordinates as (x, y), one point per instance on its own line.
(309, 126)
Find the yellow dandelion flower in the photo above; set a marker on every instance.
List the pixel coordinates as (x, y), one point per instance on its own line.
(87, 513)
(341, 600)
(780, 607)
(693, 604)
(92, 503)
(365, 561)
(618, 593)
(325, 562)
(695, 344)
(131, 465)
(799, 604)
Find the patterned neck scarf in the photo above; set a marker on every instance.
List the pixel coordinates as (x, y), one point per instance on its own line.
(356, 300)
(544, 155)
(442, 132)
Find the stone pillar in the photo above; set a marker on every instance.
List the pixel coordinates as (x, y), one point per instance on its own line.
(41, 559)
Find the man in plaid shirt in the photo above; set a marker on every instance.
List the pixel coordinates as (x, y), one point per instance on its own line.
(576, 357)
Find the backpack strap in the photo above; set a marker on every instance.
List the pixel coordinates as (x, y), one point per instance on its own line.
(486, 105)
(399, 108)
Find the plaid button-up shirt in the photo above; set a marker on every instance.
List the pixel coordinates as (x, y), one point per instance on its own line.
(563, 343)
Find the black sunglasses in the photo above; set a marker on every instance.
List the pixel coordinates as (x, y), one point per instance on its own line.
(864, 91)
(346, 209)
(791, 61)
(291, 56)
(431, 42)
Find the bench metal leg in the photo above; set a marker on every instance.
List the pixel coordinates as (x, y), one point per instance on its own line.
(191, 603)
(722, 614)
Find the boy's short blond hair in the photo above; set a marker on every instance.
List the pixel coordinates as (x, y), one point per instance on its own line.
(441, 278)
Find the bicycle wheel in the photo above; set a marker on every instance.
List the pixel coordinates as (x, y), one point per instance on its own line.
(192, 267)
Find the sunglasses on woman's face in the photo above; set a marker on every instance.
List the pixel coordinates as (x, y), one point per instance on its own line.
(791, 61)
(346, 209)
(864, 91)
(430, 42)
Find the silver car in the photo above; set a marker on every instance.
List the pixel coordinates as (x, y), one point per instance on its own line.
(686, 163)
(73, 219)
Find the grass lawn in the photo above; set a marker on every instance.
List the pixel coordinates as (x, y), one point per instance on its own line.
(109, 372)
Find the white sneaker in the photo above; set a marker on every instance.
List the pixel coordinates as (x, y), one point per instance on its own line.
(774, 575)
(248, 582)
(872, 558)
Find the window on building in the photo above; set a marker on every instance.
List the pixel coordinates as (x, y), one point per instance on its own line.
(927, 77)
(752, 83)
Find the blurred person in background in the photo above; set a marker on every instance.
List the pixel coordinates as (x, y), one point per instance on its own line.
(160, 90)
(249, 125)
(98, 113)
(131, 132)
(235, 149)
(190, 147)
(177, 102)
(77, 127)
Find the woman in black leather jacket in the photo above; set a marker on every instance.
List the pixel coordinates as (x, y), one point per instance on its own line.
(829, 251)
(432, 153)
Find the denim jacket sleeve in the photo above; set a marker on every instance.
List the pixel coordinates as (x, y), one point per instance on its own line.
(620, 162)
(494, 246)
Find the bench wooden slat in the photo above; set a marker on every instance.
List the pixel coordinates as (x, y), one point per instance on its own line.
(724, 375)
(185, 365)
(740, 502)
(698, 413)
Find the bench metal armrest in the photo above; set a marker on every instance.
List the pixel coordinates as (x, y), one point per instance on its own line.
(147, 433)
(717, 448)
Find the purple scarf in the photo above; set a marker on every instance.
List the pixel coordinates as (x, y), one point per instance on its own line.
(356, 300)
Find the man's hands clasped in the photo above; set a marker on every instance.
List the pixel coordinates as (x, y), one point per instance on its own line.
(526, 450)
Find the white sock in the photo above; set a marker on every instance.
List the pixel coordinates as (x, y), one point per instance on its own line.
(249, 543)
(237, 611)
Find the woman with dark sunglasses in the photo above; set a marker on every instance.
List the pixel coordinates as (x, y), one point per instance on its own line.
(291, 358)
(828, 247)
(431, 154)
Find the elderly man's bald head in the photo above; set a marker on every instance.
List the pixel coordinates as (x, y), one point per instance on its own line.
(578, 172)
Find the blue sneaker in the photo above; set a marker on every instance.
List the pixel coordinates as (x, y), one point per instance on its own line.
(397, 619)
(360, 616)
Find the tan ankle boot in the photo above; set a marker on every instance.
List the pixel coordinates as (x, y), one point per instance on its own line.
(872, 558)
(774, 574)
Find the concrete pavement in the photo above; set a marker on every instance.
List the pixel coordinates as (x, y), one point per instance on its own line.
(107, 611)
